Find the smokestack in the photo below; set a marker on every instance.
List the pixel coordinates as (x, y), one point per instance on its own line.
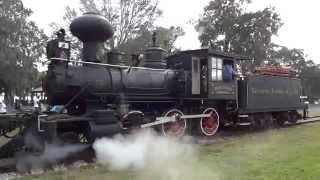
(92, 29)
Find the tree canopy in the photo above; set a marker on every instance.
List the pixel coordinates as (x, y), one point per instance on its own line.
(307, 70)
(133, 23)
(128, 18)
(22, 46)
(165, 38)
(226, 26)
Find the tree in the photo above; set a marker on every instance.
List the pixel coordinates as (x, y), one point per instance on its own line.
(129, 18)
(281, 55)
(226, 26)
(307, 70)
(310, 76)
(22, 46)
(166, 38)
(126, 16)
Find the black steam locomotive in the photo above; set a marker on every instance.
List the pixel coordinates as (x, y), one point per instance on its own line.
(194, 92)
(188, 92)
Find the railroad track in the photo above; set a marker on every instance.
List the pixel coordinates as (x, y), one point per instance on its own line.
(8, 164)
(309, 120)
(244, 128)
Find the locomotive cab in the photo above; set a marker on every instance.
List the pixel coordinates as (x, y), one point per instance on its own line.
(222, 80)
(211, 74)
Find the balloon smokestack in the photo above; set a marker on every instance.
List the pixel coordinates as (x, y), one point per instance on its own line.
(92, 29)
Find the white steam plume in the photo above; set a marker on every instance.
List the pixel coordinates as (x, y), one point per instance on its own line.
(51, 156)
(151, 156)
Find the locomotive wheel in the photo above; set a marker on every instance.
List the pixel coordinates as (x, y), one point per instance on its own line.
(174, 129)
(264, 120)
(209, 125)
(253, 123)
(281, 118)
(280, 122)
(293, 117)
(268, 120)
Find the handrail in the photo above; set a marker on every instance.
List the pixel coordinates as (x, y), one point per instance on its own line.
(104, 64)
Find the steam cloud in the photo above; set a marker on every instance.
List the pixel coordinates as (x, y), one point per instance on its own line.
(150, 156)
(52, 155)
(145, 153)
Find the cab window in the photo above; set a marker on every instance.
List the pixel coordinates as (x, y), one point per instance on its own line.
(216, 69)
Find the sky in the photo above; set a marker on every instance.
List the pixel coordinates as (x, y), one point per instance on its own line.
(300, 30)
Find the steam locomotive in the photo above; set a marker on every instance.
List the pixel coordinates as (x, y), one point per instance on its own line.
(178, 94)
(190, 92)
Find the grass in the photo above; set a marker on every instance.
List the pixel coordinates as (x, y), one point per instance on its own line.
(288, 153)
(278, 154)
(313, 113)
(314, 110)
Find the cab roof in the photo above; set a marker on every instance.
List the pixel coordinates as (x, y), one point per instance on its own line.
(210, 52)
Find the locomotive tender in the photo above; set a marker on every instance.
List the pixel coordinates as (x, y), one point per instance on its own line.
(182, 93)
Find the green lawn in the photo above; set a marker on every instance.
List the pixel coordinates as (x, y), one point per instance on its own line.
(287, 153)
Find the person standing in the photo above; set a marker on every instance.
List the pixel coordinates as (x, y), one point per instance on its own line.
(228, 72)
(59, 47)
(36, 104)
(3, 108)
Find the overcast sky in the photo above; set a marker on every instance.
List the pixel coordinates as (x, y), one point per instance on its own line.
(301, 27)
